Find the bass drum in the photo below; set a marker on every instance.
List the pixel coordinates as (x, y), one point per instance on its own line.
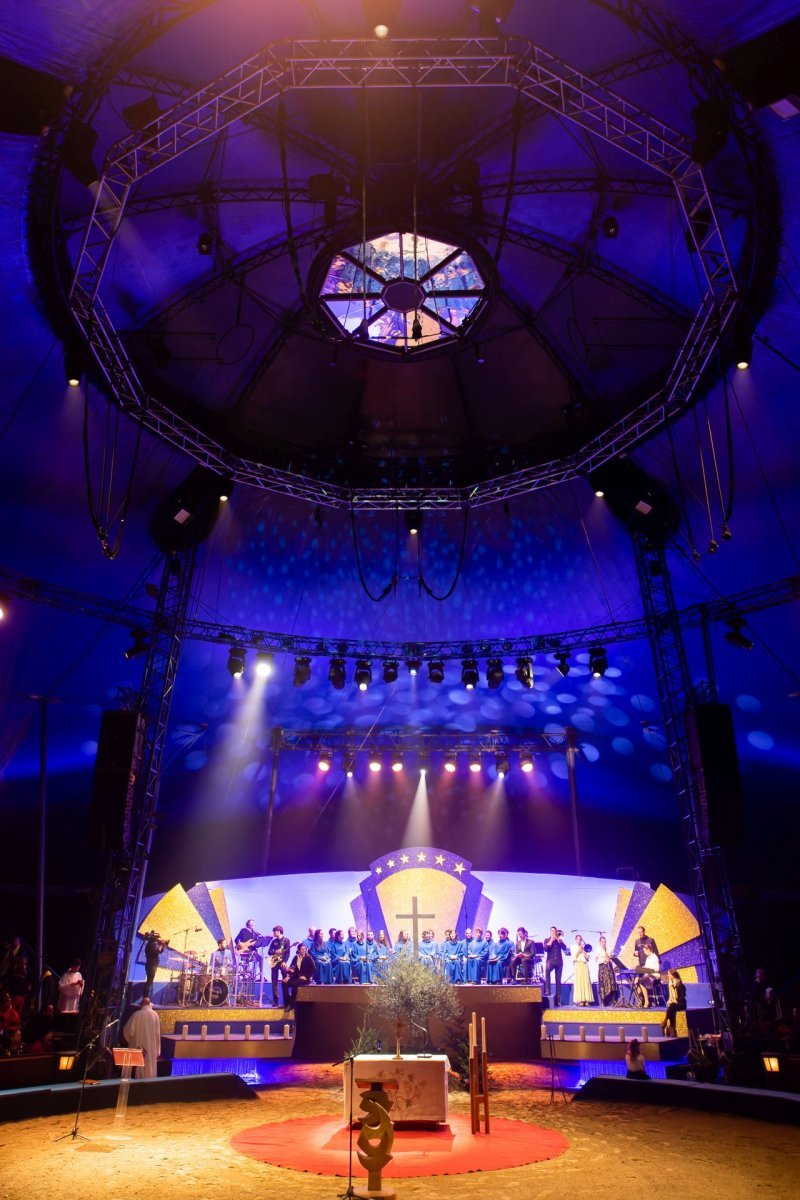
(216, 993)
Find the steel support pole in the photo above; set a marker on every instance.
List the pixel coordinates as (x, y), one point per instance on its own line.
(42, 863)
(572, 755)
(275, 745)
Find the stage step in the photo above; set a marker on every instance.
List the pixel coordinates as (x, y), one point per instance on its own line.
(631, 1020)
(572, 1049)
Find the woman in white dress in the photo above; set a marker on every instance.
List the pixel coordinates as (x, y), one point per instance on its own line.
(581, 985)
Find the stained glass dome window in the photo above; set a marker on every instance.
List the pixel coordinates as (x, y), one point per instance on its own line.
(414, 293)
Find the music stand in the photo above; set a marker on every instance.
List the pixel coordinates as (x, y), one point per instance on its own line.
(126, 1058)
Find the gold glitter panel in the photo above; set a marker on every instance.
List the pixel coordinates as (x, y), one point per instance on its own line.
(612, 1018)
(668, 920)
(171, 917)
(623, 900)
(172, 1018)
(221, 909)
(438, 894)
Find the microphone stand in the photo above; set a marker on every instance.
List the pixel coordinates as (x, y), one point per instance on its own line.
(349, 1194)
(422, 1053)
(74, 1132)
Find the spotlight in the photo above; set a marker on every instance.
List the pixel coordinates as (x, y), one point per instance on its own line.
(263, 664)
(712, 124)
(598, 662)
(337, 673)
(237, 658)
(76, 152)
(225, 489)
(610, 227)
(450, 762)
(363, 675)
(494, 673)
(742, 347)
(436, 670)
(413, 520)
(491, 13)
(469, 673)
(379, 15)
(144, 112)
(524, 672)
(302, 671)
(422, 759)
(73, 363)
(390, 670)
(375, 764)
(4, 606)
(205, 243)
(736, 635)
(397, 763)
(324, 761)
(416, 329)
(350, 772)
(140, 644)
(526, 762)
(599, 493)
(475, 763)
(501, 765)
(413, 665)
(562, 666)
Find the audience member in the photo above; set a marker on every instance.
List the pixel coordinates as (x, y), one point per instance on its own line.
(634, 1061)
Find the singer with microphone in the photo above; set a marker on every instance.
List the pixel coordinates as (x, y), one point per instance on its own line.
(555, 948)
(143, 1032)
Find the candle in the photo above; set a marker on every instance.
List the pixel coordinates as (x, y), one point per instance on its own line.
(483, 1034)
(184, 1032)
(645, 1034)
(622, 1033)
(266, 1032)
(561, 1033)
(226, 1033)
(582, 1032)
(286, 1031)
(203, 1032)
(247, 1033)
(601, 1032)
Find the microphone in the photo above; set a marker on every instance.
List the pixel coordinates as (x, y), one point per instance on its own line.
(198, 928)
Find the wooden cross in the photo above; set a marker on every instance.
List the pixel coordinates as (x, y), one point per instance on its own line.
(415, 917)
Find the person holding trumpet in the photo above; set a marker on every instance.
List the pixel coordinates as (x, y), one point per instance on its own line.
(555, 949)
(581, 985)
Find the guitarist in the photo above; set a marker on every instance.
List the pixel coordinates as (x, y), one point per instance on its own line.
(247, 937)
(277, 953)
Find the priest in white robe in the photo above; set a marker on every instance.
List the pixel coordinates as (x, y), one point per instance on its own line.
(143, 1032)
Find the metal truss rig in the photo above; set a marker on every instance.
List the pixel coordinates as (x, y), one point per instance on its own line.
(407, 63)
(350, 742)
(783, 591)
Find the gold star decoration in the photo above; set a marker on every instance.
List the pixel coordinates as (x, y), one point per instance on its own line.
(459, 868)
(390, 863)
(403, 858)
(440, 860)
(421, 856)
(379, 870)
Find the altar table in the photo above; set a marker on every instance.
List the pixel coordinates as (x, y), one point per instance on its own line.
(421, 1093)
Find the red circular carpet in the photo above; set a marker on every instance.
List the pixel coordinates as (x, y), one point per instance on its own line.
(319, 1145)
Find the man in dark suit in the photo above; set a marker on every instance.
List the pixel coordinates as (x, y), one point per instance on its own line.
(301, 971)
(278, 945)
(640, 946)
(556, 949)
(524, 951)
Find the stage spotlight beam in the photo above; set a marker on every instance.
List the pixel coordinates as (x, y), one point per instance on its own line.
(413, 521)
(526, 762)
(469, 674)
(264, 664)
(598, 662)
(237, 658)
(413, 665)
(363, 674)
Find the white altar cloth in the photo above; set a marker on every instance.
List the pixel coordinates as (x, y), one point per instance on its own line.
(421, 1093)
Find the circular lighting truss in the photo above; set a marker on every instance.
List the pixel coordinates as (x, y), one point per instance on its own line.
(402, 293)
(538, 76)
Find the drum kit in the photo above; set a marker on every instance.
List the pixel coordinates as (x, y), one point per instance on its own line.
(198, 985)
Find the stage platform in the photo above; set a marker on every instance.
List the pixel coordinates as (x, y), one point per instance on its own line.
(602, 1034)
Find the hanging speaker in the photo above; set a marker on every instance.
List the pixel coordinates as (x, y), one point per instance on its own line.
(117, 766)
(712, 743)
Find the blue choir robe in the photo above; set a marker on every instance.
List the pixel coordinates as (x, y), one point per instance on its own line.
(500, 953)
(453, 960)
(428, 953)
(476, 953)
(403, 949)
(383, 955)
(308, 942)
(351, 944)
(340, 958)
(323, 972)
(361, 962)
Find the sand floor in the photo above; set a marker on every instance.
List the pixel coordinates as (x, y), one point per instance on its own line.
(176, 1151)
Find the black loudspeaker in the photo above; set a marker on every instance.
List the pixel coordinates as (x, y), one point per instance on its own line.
(766, 69)
(118, 762)
(712, 742)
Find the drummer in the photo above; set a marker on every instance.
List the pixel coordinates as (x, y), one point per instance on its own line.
(221, 960)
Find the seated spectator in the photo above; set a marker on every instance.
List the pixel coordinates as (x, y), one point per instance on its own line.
(9, 1019)
(635, 1062)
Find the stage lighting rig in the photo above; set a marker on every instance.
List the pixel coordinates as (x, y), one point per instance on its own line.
(205, 244)
(74, 364)
(397, 762)
(237, 658)
(494, 673)
(524, 672)
(526, 762)
(4, 606)
(469, 673)
(742, 346)
(610, 227)
(436, 670)
(598, 662)
(363, 674)
(501, 765)
(413, 665)
(264, 664)
(450, 762)
(140, 643)
(302, 671)
(380, 15)
(413, 521)
(475, 763)
(390, 670)
(562, 663)
(375, 764)
(337, 673)
(324, 761)
(736, 635)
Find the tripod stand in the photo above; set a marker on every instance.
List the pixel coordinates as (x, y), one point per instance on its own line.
(555, 1074)
(74, 1133)
(349, 1193)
